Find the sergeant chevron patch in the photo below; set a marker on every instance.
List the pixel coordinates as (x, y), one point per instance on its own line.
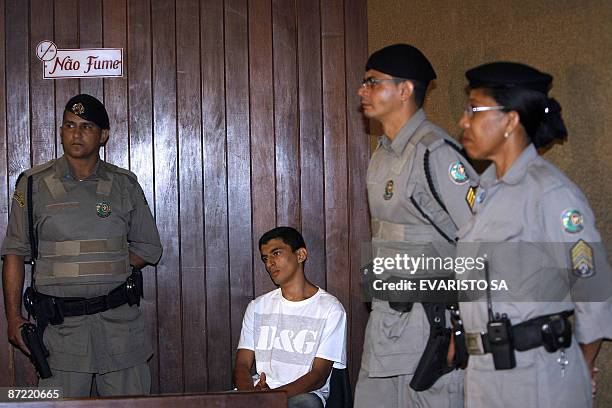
(582, 260)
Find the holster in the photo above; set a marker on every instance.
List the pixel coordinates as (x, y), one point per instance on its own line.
(32, 337)
(433, 362)
(461, 352)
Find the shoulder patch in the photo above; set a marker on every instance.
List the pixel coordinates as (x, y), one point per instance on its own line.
(457, 173)
(582, 259)
(19, 198)
(572, 221)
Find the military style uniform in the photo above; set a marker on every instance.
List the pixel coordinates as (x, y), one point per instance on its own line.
(546, 217)
(85, 230)
(404, 211)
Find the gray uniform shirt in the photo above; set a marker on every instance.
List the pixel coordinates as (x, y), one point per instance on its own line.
(396, 176)
(528, 213)
(107, 206)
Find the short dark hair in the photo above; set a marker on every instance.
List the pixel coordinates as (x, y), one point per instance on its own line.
(288, 235)
(539, 115)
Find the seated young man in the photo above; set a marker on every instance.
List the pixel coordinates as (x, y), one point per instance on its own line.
(293, 334)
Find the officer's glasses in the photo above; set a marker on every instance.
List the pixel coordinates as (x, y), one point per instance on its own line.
(371, 82)
(471, 110)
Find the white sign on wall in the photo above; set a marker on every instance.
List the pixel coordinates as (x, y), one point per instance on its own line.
(79, 63)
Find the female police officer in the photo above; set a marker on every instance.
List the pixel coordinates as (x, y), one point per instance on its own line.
(537, 231)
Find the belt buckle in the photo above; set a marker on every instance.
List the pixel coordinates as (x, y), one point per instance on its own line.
(474, 344)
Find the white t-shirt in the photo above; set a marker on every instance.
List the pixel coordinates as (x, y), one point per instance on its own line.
(286, 336)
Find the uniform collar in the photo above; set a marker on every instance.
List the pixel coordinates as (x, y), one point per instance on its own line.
(62, 170)
(516, 171)
(398, 144)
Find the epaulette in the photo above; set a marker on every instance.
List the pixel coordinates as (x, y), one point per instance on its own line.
(35, 170)
(121, 170)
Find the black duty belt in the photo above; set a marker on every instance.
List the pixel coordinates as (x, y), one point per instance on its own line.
(73, 306)
(526, 335)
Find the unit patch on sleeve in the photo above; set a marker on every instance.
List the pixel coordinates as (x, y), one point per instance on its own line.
(457, 173)
(388, 190)
(18, 196)
(572, 221)
(582, 259)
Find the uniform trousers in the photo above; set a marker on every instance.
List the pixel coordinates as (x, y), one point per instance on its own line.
(130, 381)
(395, 392)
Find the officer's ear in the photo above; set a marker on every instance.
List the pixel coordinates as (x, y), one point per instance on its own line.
(302, 255)
(406, 90)
(104, 137)
(514, 120)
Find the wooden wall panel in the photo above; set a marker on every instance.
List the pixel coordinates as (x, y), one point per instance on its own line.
(6, 350)
(312, 192)
(189, 118)
(238, 167)
(114, 20)
(216, 227)
(18, 116)
(166, 195)
(355, 36)
(263, 169)
(335, 148)
(90, 36)
(286, 130)
(66, 14)
(236, 116)
(43, 123)
(141, 159)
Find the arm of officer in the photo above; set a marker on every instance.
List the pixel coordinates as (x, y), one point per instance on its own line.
(137, 261)
(12, 283)
(570, 220)
(143, 237)
(15, 249)
(452, 176)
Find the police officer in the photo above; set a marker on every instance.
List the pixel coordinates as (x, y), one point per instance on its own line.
(538, 232)
(417, 180)
(89, 222)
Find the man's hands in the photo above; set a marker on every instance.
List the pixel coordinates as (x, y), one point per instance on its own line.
(262, 385)
(590, 351)
(14, 333)
(450, 354)
(12, 282)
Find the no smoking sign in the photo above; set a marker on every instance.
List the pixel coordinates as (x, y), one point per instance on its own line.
(46, 50)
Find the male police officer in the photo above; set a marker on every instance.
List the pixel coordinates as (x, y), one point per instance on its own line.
(88, 221)
(417, 184)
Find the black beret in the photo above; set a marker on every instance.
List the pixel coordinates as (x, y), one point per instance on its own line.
(508, 75)
(402, 61)
(89, 108)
